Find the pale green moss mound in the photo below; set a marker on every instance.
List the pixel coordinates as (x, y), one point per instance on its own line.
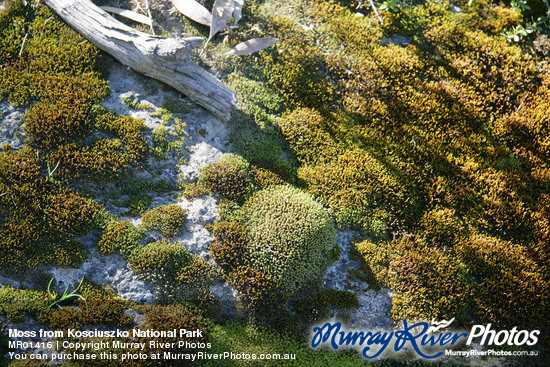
(290, 236)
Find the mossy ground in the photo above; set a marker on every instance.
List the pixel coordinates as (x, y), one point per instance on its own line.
(426, 134)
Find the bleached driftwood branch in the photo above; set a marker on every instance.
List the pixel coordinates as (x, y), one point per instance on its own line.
(166, 59)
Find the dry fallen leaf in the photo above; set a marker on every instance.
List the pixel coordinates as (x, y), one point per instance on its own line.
(253, 45)
(221, 12)
(238, 12)
(193, 10)
(136, 17)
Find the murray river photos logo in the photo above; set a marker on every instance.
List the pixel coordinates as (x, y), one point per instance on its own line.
(424, 339)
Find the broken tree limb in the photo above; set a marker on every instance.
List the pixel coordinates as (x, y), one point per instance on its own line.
(166, 59)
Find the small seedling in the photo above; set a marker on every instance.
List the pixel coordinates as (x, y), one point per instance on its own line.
(65, 296)
(50, 171)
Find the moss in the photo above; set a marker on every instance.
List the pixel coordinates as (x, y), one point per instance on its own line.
(27, 363)
(64, 318)
(256, 339)
(193, 190)
(52, 52)
(3, 340)
(260, 147)
(256, 98)
(350, 179)
(160, 143)
(297, 67)
(39, 218)
(137, 204)
(511, 287)
(428, 283)
(357, 33)
(284, 221)
(131, 103)
(135, 185)
(259, 294)
(61, 72)
(316, 306)
(119, 237)
(164, 115)
(229, 178)
(157, 317)
(265, 178)
(195, 278)
(104, 219)
(160, 260)
(229, 248)
(166, 219)
(230, 211)
(175, 105)
(173, 270)
(442, 227)
(16, 304)
(101, 307)
(176, 317)
(375, 261)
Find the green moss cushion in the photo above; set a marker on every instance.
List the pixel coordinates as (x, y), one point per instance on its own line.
(290, 235)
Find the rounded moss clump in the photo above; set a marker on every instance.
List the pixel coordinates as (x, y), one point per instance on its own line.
(119, 237)
(167, 219)
(231, 241)
(236, 161)
(259, 294)
(228, 178)
(170, 317)
(290, 236)
(265, 178)
(160, 262)
(196, 278)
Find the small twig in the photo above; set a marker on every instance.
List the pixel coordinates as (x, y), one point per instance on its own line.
(139, 6)
(522, 101)
(149, 15)
(23, 44)
(376, 12)
(12, 199)
(146, 11)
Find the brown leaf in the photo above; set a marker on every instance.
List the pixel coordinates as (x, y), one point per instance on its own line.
(193, 10)
(253, 45)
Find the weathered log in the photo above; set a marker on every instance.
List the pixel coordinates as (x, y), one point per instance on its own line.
(166, 59)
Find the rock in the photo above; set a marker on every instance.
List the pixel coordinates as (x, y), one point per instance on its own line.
(398, 39)
(11, 127)
(375, 309)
